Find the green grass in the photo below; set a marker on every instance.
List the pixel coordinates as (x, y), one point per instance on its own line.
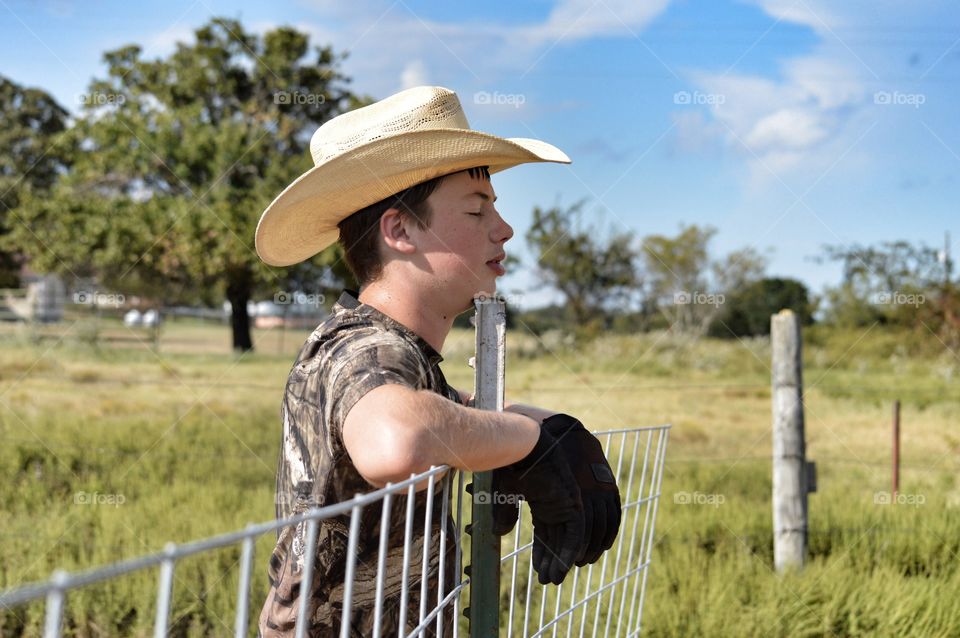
(188, 437)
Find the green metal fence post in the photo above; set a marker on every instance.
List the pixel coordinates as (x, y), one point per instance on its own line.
(484, 610)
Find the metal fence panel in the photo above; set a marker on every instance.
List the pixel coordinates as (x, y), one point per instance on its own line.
(604, 599)
(594, 599)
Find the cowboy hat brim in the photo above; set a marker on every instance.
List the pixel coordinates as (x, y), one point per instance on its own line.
(303, 219)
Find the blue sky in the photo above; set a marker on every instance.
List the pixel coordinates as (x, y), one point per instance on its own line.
(786, 124)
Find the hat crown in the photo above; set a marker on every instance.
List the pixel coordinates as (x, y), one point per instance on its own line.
(417, 109)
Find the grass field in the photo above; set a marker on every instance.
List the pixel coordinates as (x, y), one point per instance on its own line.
(109, 452)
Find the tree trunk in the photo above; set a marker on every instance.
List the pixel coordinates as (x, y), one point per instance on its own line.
(9, 270)
(238, 294)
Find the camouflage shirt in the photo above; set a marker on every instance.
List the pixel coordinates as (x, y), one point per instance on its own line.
(356, 349)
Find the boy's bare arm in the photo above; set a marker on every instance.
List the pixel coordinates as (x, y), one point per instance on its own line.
(532, 411)
(535, 413)
(394, 431)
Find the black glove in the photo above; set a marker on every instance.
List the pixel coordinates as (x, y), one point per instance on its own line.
(506, 505)
(544, 479)
(598, 486)
(506, 508)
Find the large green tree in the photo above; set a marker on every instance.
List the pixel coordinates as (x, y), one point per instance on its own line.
(178, 158)
(34, 153)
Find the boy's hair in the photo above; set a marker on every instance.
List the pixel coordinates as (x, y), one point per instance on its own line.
(360, 232)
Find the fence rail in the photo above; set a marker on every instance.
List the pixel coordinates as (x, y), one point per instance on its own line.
(602, 595)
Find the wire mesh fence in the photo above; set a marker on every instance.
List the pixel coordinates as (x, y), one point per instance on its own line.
(605, 598)
(426, 597)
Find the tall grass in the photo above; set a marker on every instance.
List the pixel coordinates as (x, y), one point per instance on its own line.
(189, 440)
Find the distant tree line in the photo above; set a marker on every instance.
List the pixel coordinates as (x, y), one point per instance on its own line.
(614, 281)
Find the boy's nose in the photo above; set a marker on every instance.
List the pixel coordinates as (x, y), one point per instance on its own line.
(505, 231)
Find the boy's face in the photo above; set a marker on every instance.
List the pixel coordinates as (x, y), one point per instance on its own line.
(465, 238)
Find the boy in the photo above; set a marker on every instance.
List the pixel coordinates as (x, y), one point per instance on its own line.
(404, 185)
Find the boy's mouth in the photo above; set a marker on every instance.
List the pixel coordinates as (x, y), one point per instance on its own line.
(495, 264)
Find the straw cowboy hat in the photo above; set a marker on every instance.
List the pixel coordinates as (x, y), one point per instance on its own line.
(366, 155)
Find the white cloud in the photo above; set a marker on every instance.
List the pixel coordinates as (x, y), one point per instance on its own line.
(414, 74)
(800, 118)
(830, 82)
(581, 19)
(815, 112)
(779, 121)
(817, 17)
(787, 128)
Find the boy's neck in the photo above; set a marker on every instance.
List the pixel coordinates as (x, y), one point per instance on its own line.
(412, 308)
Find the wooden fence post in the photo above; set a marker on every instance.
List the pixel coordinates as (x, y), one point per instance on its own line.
(789, 446)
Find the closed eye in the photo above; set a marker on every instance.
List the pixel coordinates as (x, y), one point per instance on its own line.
(479, 213)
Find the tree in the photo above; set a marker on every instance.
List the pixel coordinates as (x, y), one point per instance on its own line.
(876, 278)
(689, 287)
(593, 271)
(179, 158)
(887, 266)
(676, 269)
(897, 283)
(31, 127)
(738, 269)
(747, 310)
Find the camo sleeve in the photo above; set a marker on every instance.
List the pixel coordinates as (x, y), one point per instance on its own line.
(367, 363)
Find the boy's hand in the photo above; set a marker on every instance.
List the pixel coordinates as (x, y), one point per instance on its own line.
(597, 483)
(545, 480)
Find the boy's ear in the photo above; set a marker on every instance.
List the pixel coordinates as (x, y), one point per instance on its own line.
(393, 231)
